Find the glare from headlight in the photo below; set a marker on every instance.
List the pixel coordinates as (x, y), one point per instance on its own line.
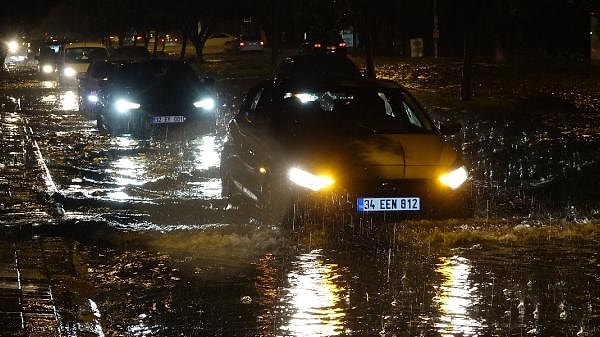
(93, 98)
(305, 98)
(70, 72)
(206, 103)
(47, 68)
(309, 180)
(13, 46)
(123, 105)
(455, 178)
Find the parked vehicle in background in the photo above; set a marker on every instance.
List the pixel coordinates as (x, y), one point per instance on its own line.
(324, 43)
(130, 53)
(77, 57)
(219, 43)
(145, 98)
(250, 43)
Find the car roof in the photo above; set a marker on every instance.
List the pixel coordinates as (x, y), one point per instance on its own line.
(316, 84)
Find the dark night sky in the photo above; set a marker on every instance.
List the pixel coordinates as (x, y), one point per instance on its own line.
(16, 14)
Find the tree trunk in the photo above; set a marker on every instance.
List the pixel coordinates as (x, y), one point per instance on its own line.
(275, 36)
(184, 42)
(154, 48)
(465, 88)
(369, 42)
(121, 39)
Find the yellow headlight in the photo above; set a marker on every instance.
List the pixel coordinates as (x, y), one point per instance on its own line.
(309, 180)
(455, 178)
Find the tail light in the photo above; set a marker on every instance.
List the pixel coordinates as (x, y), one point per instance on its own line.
(342, 44)
(317, 45)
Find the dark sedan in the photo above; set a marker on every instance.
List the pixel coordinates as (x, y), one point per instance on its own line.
(357, 145)
(142, 97)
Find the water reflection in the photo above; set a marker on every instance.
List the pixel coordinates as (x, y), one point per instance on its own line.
(314, 298)
(456, 297)
(129, 171)
(49, 84)
(208, 153)
(69, 101)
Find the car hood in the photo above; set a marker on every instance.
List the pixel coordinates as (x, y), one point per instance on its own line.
(380, 156)
(158, 97)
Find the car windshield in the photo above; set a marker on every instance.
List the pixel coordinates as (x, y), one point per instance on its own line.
(350, 111)
(84, 54)
(168, 73)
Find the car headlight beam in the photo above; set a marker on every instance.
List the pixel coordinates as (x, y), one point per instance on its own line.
(69, 72)
(205, 103)
(123, 105)
(306, 97)
(309, 180)
(455, 178)
(13, 47)
(47, 68)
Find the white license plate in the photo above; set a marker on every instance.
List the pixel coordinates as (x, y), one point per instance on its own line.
(167, 119)
(388, 204)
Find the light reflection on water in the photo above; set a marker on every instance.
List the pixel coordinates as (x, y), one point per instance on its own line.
(129, 171)
(314, 298)
(208, 153)
(69, 101)
(456, 296)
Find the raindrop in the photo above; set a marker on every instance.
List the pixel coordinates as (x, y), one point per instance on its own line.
(246, 300)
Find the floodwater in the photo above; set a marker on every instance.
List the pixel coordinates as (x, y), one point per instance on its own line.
(147, 247)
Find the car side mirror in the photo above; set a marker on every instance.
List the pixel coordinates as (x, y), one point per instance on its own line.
(449, 128)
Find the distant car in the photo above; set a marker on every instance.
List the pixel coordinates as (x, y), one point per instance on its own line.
(305, 67)
(142, 97)
(341, 146)
(131, 53)
(219, 43)
(48, 60)
(16, 57)
(250, 43)
(92, 84)
(77, 57)
(324, 44)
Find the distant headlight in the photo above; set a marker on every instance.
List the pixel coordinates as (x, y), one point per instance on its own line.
(69, 72)
(309, 180)
(305, 98)
(93, 98)
(123, 105)
(13, 47)
(205, 103)
(47, 68)
(455, 178)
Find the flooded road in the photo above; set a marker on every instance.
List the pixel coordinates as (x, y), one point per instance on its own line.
(146, 246)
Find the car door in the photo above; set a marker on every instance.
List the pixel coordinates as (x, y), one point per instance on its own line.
(247, 149)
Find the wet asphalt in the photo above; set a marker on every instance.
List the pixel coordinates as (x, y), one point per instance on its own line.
(113, 236)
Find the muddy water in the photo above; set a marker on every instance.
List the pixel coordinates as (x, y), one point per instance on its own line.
(334, 291)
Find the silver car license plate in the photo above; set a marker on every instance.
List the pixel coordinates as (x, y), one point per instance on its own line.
(167, 119)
